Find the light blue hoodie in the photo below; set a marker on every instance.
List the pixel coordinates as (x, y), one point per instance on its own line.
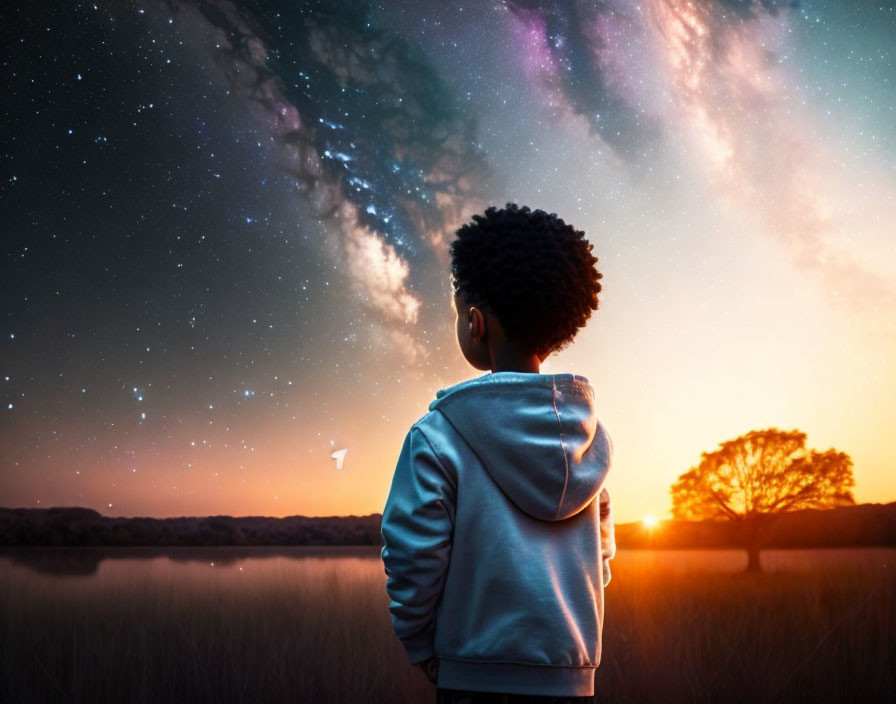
(497, 535)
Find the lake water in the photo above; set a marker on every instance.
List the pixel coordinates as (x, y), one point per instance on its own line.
(85, 565)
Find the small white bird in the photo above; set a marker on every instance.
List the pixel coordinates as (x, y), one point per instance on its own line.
(338, 456)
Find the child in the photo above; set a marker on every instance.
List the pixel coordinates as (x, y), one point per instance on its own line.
(497, 530)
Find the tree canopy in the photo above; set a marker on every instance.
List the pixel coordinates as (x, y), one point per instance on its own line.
(762, 473)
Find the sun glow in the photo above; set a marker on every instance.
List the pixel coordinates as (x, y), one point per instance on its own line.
(649, 522)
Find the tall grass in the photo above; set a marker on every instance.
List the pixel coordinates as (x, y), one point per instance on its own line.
(826, 635)
(250, 634)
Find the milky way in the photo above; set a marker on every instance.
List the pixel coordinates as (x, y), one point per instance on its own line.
(364, 126)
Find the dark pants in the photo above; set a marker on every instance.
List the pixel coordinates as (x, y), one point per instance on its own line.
(458, 696)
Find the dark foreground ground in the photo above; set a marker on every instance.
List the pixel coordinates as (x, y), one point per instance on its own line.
(674, 632)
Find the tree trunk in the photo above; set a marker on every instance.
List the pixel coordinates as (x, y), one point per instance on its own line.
(752, 541)
(753, 557)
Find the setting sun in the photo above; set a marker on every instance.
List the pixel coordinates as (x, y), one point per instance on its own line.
(649, 521)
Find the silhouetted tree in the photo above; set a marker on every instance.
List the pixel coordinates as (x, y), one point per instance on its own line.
(758, 475)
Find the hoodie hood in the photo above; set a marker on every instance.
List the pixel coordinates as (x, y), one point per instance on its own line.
(536, 434)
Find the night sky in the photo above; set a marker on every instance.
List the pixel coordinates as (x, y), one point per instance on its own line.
(225, 232)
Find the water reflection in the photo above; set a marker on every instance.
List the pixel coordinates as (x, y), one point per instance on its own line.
(87, 561)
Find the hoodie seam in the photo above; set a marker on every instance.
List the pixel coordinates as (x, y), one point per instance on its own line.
(563, 451)
(439, 459)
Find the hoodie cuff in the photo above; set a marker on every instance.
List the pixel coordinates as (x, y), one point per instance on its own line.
(606, 572)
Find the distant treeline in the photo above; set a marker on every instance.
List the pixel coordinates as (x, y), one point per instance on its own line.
(865, 525)
(84, 526)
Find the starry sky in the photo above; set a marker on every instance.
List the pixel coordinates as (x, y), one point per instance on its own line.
(225, 232)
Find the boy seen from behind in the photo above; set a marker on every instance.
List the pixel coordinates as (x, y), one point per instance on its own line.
(497, 529)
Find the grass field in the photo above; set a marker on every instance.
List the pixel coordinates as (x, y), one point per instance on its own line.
(679, 628)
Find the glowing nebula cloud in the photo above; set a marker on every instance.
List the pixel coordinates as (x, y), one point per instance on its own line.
(590, 54)
(703, 77)
(723, 59)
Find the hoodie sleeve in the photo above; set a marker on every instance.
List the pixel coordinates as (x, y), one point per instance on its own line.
(417, 527)
(607, 534)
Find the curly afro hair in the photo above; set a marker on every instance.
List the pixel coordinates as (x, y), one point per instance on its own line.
(531, 270)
